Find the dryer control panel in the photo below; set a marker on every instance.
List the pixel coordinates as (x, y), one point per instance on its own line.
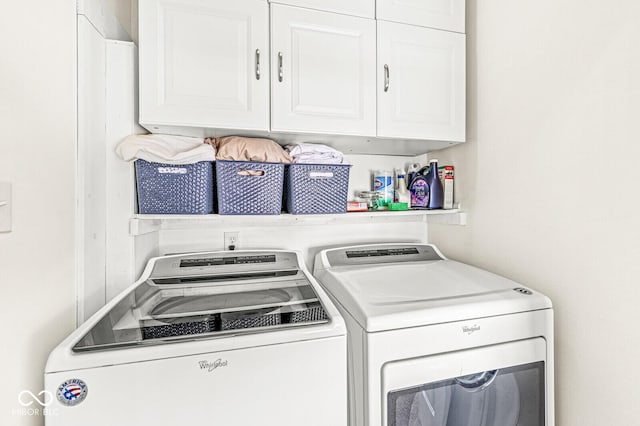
(377, 254)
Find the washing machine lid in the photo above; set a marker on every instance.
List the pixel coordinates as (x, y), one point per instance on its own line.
(392, 286)
(208, 295)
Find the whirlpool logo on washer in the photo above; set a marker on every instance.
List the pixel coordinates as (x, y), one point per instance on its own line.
(210, 366)
(470, 329)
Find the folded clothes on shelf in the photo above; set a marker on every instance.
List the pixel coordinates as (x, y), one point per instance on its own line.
(314, 153)
(238, 148)
(165, 149)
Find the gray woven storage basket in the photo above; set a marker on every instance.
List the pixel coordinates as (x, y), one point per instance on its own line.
(317, 188)
(174, 189)
(240, 194)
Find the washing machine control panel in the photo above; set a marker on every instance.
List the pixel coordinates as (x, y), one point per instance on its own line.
(224, 262)
(230, 260)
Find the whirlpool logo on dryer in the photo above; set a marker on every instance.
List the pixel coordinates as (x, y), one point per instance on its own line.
(210, 366)
(470, 329)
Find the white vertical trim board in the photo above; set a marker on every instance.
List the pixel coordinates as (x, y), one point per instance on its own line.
(120, 191)
(106, 115)
(90, 172)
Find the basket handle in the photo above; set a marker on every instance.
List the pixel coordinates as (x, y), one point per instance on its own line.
(173, 170)
(251, 173)
(320, 175)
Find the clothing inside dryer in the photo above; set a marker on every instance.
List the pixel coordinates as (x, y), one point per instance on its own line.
(511, 396)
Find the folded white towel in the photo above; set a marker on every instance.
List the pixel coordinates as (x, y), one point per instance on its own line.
(165, 149)
(314, 153)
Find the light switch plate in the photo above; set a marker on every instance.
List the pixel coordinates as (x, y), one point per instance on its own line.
(5, 207)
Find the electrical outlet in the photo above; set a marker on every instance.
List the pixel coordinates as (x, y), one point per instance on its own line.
(231, 240)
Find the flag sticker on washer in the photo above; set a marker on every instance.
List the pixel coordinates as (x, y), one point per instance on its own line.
(72, 392)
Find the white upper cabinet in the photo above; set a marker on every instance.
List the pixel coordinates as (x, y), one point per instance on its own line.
(421, 83)
(364, 8)
(254, 67)
(204, 63)
(441, 14)
(323, 72)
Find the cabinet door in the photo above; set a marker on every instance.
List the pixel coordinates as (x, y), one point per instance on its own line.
(323, 68)
(421, 83)
(364, 8)
(204, 63)
(441, 14)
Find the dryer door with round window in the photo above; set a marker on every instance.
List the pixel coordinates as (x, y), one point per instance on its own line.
(501, 385)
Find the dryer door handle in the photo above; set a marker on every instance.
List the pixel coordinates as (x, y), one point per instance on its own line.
(477, 382)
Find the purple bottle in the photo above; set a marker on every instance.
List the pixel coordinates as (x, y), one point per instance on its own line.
(419, 192)
(411, 174)
(436, 196)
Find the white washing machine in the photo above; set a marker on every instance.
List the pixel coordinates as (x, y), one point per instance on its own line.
(434, 342)
(222, 338)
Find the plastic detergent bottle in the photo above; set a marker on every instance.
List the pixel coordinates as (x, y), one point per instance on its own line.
(383, 184)
(411, 173)
(419, 192)
(402, 194)
(436, 196)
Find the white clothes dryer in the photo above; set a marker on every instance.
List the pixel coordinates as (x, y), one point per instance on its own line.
(222, 338)
(435, 342)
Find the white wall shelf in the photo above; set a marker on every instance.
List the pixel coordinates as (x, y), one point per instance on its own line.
(143, 224)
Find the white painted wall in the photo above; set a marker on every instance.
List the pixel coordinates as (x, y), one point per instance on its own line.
(37, 154)
(550, 179)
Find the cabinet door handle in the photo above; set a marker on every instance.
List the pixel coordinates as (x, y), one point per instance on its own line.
(257, 64)
(280, 73)
(386, 77)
